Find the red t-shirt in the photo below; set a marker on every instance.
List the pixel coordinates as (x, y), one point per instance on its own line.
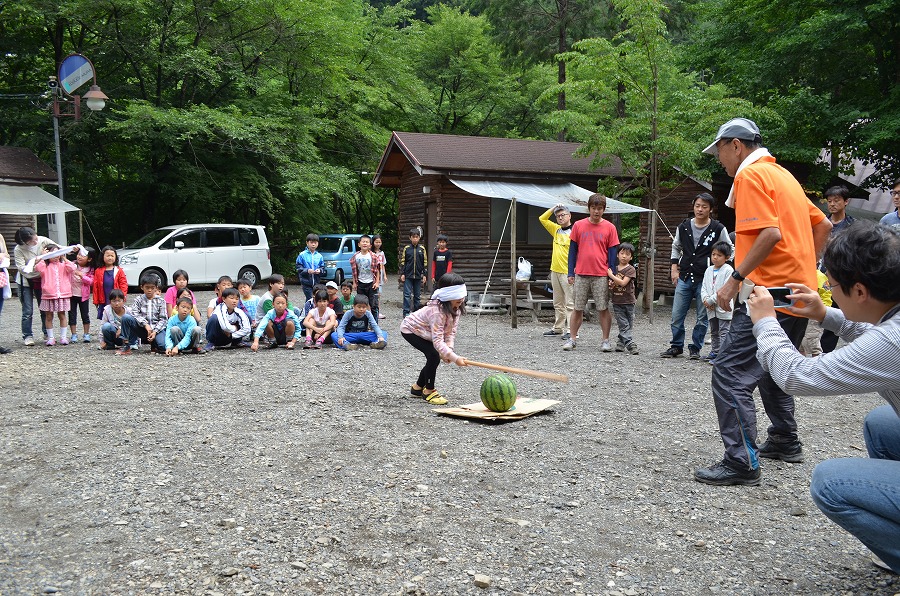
(594, 242)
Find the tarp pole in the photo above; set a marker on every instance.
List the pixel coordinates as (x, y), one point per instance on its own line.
(513, 290)
(651, 278)
(80, 228)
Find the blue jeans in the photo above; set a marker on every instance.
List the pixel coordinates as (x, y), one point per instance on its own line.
(27, 296)
(108, 330)
(412, 291)
(863, 495)
(135, 331)
(685, 291)
(365, 338)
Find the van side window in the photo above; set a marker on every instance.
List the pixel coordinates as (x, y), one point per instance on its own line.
(348, 246)
(191, 239)
(248, 237)
(219, 237)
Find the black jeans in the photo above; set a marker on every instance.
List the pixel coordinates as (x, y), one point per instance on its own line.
(432, 359)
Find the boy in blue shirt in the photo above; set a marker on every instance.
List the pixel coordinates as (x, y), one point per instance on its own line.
(310, 265)
(182, 332)
(358, 326)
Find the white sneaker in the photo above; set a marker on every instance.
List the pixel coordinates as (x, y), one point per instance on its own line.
(29, 341)
(605, 347)
(569, 345)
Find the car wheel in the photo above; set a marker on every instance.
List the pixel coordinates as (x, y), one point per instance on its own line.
(250, 274)
(157, 273)
(339, 276)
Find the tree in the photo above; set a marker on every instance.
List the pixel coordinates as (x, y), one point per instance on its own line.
(628, 99)
(538, 31)
(831, 70)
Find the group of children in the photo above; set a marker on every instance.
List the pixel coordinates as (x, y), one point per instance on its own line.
(169, 321)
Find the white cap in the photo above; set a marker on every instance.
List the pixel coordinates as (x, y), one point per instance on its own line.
(331, 284)
(736, 128)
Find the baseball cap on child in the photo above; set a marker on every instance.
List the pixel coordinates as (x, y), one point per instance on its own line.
(736, 128)
(331, 284)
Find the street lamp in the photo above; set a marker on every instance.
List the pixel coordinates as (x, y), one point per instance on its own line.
(74, 71)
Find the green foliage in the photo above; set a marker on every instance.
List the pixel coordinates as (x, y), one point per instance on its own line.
(830, 70)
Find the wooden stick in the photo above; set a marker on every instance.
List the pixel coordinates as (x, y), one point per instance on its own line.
(522, 371)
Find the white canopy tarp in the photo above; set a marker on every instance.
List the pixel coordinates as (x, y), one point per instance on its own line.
(30, 200)
(542, 195)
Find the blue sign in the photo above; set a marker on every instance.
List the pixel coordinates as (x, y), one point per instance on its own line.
(75, 71)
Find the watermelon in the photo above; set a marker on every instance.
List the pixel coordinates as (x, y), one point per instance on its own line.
(498, 393)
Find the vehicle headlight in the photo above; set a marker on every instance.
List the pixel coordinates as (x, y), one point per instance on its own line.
(128, 260)
(330, 264)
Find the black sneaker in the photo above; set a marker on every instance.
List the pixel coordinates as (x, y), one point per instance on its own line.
(672, 352)
(721, 475)
(695, 353)
(791, 453)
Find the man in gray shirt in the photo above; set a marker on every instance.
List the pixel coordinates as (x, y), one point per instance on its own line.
(863, 269)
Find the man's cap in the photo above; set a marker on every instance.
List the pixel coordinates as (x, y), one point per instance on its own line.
(331, 284)
(560, 208)
(736, 128)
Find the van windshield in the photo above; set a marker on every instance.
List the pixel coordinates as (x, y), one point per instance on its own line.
(329, 245)
(150, 239)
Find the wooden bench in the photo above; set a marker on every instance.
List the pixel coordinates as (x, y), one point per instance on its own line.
(525, 298)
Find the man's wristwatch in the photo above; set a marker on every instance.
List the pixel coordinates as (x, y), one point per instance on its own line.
(737, 276)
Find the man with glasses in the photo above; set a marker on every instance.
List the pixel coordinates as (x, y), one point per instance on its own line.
(859, 494)
(779, 233)
(563, 297)
(893, 218)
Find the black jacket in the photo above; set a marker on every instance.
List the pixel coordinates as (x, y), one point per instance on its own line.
(413, 261)
(695, 259)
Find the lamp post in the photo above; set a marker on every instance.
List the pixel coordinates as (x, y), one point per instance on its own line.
(74, 72)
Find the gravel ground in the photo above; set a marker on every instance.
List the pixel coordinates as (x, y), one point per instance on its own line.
(312, 472)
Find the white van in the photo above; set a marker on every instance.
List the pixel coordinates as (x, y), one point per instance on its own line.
(205, 251)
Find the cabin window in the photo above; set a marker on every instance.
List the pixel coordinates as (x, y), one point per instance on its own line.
(528, 229)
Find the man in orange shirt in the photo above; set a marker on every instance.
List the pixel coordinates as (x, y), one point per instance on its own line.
(779, 235)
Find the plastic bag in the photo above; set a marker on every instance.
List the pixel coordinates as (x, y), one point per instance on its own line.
(524, 270)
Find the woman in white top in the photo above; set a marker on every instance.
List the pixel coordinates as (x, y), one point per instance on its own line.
(28, 246)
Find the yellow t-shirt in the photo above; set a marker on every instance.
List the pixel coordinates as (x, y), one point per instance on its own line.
(559, 262)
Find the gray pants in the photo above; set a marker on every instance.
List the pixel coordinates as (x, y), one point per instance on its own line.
(196, 336)
(735, 375)
(625, 322)
(718, 329)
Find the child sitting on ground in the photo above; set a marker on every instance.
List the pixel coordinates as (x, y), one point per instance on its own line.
(713, 279)
(148, 319)
(276, 284)
(180, 282)
(358, 327)
(248, 300)
(334, 299)
(311, 303)
(621, 288)
(228, 325)
(182, 332)
(195, 312)
(319, 322)
(432, 331)
(280, 325)
(223, 283)
(113, 335)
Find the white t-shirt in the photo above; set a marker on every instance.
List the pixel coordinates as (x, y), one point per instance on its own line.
(364, 270)
(329, 312)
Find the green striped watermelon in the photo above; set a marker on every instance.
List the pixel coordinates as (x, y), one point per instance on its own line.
(498, 393)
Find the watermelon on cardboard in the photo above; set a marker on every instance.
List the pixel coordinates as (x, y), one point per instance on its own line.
(498, 393)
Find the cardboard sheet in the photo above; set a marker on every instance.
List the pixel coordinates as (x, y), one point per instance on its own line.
(524, 407)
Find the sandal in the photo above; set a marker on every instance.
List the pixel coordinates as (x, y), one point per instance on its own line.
(415, 392)
(435, 398)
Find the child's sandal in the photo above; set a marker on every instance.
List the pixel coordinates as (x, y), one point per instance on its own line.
(415, 392)
(435, 398)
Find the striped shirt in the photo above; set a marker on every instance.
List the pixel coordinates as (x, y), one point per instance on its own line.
(870, 363)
